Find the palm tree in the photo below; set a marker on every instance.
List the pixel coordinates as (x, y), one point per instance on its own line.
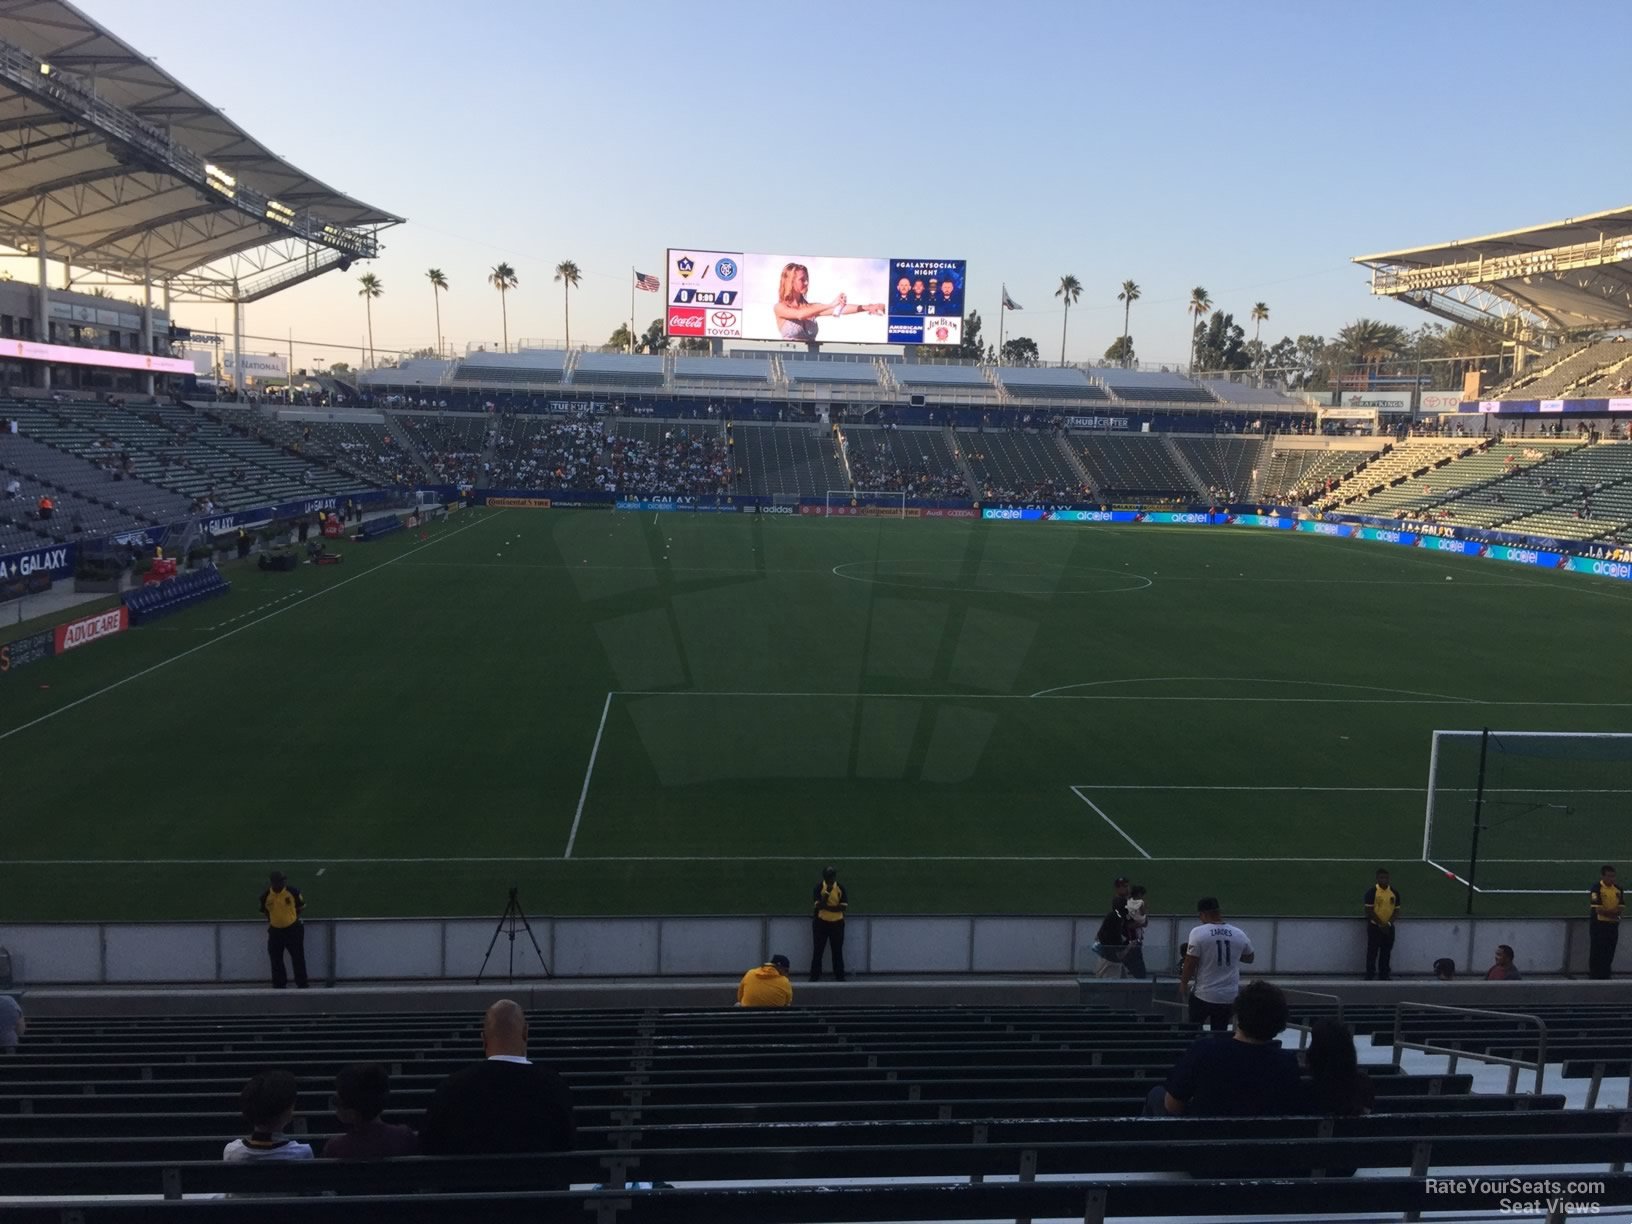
(439, 283)
(1128, 296)
(1370, 342)
(1070, 290)
(1260, 312)
(1200, 304)
(567, 273)
(372, 287)
(503, 278)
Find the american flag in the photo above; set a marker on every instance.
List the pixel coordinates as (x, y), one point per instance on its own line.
(1008, 302)
(648, 283)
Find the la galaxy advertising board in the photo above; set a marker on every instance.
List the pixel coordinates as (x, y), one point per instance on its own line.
(814, 299)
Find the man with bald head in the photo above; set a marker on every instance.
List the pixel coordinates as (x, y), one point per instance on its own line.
(505, 1103)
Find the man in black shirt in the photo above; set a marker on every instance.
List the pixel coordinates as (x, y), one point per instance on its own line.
(1111, 944)
(503, 1104)
(1244, 1075)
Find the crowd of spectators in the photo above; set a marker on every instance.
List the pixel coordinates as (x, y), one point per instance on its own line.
(877, 468)
(386, 460)
(1048, 490)
(454, 456)
(686, 461)
(550, 453)
(591, 453)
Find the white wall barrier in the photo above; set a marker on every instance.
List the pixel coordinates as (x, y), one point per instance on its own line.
(451, 949)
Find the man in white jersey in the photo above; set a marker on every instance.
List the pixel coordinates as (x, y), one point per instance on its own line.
(1213, 956)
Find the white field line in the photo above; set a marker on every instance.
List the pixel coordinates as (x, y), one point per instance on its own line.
(108, 688)
(693, 858)
(1409, 790)
(750, 858)
(583, 794)
(1241, 699)
(1077, 791)
(1369, 688)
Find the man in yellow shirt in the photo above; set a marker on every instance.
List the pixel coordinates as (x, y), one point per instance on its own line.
(1382, 908)
(829, 903)
(285, 932)
(767, 986)
(1606, 902)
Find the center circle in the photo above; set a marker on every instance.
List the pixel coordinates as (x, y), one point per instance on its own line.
(992, 577)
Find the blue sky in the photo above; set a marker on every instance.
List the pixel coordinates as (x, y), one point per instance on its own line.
(1250, 148)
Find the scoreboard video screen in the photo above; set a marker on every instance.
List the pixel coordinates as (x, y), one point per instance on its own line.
(814, 299)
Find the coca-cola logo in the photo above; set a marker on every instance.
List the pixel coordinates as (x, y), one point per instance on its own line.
(687, 321)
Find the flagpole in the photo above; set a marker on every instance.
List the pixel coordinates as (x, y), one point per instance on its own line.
(631, 310)
(1002, 318)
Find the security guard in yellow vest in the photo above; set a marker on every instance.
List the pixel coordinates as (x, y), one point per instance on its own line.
(1607, 902)
(829, 902)
(284, 930)
(1382, 908)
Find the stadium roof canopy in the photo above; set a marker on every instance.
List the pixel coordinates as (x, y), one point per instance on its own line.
(128, 173)
(1525, 283)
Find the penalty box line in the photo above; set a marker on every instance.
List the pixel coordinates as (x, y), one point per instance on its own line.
(589, 772)
(1123, 833)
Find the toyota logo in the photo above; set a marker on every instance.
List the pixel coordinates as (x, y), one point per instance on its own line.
(724, 318)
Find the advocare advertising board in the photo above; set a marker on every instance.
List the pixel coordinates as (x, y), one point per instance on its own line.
(88, 629)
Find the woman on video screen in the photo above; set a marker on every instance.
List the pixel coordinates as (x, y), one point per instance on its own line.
(796, 314)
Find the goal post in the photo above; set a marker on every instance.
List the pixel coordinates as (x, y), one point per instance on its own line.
(872, 503)
(1527, 812)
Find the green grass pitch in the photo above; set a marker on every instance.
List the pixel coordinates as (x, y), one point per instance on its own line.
(687, 713)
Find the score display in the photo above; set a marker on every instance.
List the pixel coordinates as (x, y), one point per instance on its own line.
(814, 299)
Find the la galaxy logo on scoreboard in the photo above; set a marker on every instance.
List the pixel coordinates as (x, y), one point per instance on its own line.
(685, 265)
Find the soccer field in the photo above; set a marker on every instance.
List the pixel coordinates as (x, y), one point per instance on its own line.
(688, 713)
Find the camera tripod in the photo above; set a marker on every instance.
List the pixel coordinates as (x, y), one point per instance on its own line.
(511, 921)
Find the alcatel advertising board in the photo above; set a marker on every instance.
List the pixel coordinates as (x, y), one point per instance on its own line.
(814, 299)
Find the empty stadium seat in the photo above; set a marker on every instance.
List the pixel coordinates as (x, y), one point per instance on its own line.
(617, 369)
(1133, 465)
(787, 460)
(801, 372)
(1049, 383)
(1150, 386)
(535, 367)
(97, 1109)
(159, 599)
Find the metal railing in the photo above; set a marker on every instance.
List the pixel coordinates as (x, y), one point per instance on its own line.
(1304, 1030)
(1456, 1053)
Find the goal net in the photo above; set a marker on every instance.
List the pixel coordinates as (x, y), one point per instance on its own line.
(1528, 811)
(869, 503)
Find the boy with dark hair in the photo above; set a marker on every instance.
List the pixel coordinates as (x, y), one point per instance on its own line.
(1244, 1075)
(360, 1093)
(268, 1105)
